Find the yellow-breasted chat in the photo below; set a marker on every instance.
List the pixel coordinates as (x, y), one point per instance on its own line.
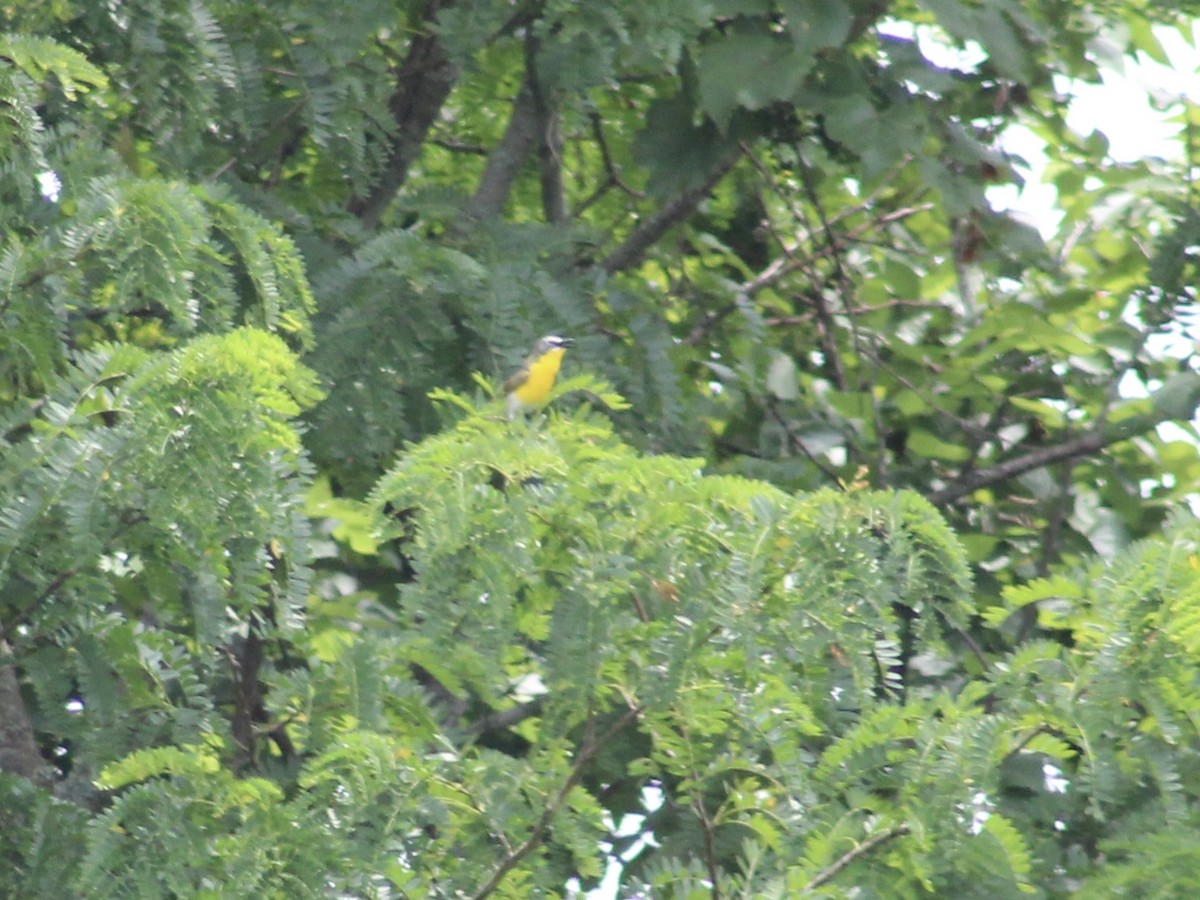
(530, 385)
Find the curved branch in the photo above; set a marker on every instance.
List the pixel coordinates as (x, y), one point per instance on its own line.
(507, 718)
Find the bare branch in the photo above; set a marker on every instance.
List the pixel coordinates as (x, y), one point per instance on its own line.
(250, 718)
(534, 122)
(537, 834)
(549, 140)
(634, 247)
(1084, 445)
(797, 443)
(825, 324)
(1178, 399)
(790, 262)
(709, 830)
(614, 173)
(459, 147)
(867, 846)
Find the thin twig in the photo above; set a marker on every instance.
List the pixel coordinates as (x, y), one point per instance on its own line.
(537, 834)
(850, 856)
(797, 443)
(614, 174)
(826, 327)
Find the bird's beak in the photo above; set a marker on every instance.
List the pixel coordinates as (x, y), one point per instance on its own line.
(568, 342)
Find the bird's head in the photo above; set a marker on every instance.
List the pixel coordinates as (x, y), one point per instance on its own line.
(552, 342)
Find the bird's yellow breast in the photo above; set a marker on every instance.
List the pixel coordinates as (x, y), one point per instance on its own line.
(542, 373)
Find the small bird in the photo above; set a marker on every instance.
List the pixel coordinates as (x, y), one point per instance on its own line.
(530, 385)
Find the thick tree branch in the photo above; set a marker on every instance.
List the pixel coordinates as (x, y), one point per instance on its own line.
(250, 718)
(550, 142)
(534, 122)
(245, 662)
(19, 753)
(423, 82)
(634, 247)
(509, 156)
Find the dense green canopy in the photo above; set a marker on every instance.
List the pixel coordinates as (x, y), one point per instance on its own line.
(851, 556)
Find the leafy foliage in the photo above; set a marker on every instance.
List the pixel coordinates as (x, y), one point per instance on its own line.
(848, 558)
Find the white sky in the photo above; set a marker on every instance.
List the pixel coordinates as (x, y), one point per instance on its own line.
(1132, 108)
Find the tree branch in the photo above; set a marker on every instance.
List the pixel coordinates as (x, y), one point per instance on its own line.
(1083, 445)
(507, 718)
(554, 198)
(550, 142)
(537, 834)
(509, 156)
(612, 174)
(710, 848)
(19, 752)
(634, 247)
(797, 443)
(789, 262)
(825, 323)
(850, 856)
(250, 718)
(423, 83)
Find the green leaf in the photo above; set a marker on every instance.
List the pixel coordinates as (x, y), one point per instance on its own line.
(815, 25)
(926, 444)
(782, 379)
(677, 151)
(141, 765)
(748, 71)
(38, 57)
